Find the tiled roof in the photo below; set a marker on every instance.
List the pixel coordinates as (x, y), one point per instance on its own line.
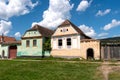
(67, 22)
(43, 31)
(88, 40)
(11, 42)
(8, 40)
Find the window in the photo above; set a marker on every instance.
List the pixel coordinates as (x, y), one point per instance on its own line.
(60, 42)
(27, 43)
(61, 30)
(34, 43)
(66, 29)
(68, 41)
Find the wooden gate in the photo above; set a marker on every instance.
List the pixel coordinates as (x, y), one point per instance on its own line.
(110, 52)
(12, 51)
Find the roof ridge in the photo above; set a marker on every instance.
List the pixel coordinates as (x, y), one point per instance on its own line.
(7, 36)
(67, 22)
(42, 30)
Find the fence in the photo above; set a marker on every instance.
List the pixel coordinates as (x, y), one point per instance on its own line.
(110, 50)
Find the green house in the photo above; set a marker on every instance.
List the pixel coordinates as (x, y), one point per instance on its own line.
(32, 42)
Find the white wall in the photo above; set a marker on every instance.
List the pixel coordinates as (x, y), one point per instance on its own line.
(75, 42)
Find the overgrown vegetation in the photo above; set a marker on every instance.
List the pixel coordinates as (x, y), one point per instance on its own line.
(47, 44)
(47, 70)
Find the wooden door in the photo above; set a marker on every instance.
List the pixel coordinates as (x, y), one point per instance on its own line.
(12, 51)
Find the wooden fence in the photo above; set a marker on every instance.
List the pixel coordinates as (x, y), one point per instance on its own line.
(110, 51)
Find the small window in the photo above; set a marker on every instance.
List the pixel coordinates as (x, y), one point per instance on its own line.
(27, 43)
(61, 30)
(60, 42)
(34, 43)
(66, 29)
(68, 41)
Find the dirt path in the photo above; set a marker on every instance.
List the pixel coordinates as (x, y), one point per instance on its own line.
(106, 68)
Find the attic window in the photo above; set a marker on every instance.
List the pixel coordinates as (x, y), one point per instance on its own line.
(66, 29)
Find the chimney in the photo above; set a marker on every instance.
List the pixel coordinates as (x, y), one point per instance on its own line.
(2, 38)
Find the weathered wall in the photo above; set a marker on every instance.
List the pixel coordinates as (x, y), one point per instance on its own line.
(67, 53)
(5, 48)
(87, 44)
(37, 50)
(31, 50)
(75, 42)
(82, 52)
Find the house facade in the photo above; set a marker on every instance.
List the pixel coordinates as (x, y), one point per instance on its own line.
(32, 42)
(69, 41)
(8, 47)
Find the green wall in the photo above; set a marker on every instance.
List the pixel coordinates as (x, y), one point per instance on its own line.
(31, 50)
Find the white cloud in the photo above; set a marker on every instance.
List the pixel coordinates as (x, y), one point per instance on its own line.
(57, 12)
(5, 27)
(17, 34)
(84, 4)
(114, 23)
(88, 30)
(10, 8)
(102, 34)
(102, 13)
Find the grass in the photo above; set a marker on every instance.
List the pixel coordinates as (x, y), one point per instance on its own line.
(57, 59)
(114, 75)
(48, 58)
(47, 70)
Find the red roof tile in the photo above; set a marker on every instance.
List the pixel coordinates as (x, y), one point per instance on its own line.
(7, 39)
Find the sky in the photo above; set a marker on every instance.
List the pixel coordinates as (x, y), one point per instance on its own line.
(96, 18)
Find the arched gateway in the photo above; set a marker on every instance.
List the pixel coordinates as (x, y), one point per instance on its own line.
(90, 53)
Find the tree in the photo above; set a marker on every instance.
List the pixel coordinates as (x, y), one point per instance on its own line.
(47, 44)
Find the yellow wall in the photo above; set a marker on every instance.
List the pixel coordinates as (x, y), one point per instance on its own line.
(82, 52)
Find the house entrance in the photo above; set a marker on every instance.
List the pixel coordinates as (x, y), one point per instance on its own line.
(12, 51)
(90, 53)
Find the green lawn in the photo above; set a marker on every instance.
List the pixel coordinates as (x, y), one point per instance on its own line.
(114, 75)
(48, 70)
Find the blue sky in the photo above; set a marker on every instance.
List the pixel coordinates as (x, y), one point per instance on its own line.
(96, 18)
